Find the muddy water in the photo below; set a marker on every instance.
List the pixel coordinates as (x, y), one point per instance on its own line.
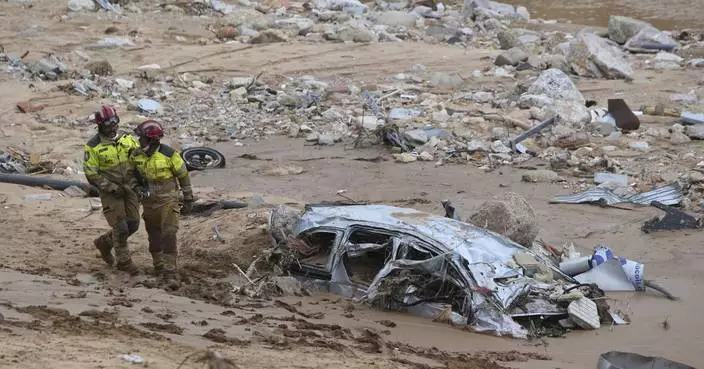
(664, 14)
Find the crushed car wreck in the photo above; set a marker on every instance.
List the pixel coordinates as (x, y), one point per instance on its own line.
(430, 265)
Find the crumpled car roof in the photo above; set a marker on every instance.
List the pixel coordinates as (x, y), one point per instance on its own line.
(472, 243)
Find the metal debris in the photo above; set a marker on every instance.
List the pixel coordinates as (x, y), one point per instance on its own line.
(669, 195)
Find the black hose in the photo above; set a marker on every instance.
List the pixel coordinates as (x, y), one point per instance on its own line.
(56, 184)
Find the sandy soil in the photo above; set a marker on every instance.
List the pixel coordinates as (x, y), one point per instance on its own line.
(61, 308)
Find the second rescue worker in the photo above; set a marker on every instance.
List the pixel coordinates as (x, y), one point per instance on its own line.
(161, 172)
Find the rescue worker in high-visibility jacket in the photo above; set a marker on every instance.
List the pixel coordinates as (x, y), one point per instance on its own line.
(107, 167)
(161, 172)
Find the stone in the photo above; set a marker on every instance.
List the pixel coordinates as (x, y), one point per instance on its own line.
(695, 132)
(556, 94)
(237, 82)
(482, 97)
(695, 177)
(499, 147)
(124, 84)
(351, 31)
(405, 158)
(441, 116)
(426, 156)
(478, 145)
(499, 133)
(508, 39)
(416, 135)
(239, 93)
(651, 38)
(300, 25)
(556, 85)
(584, 313)
(294, 130)
(326, 139)
(555, 61)
(512, 56)
(541, 176)
(509, 215)
(667, 61)
(269, 36)
(312, 137)
(396, 19)
(445, 80)
(100, 68)
(81, 5)
(523, 12)
(592, 56)
(621, 29)
(369, 122)
(678, 138)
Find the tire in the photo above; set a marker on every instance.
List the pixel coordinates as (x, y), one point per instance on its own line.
(201, 158)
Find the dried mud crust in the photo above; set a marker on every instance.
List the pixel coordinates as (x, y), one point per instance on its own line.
(210, 246)
(53, 320)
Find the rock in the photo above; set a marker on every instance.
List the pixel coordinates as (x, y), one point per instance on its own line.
(482, 97)
(678, 138)
(350, 31)
(312, 137)
(417, 135)
(445, 80)
(237, 82)
(512, 56)
(621, 29)
(695, 177)
(593, 56)
(124, 84)
(426, 156)
(584, 313)
(667, 61)
(695, 132)
(227, 33)
(499, 147)
(508, 39)
(239, 93)
(294, 130)
(326, 139)
(556, 85)
(100, 68)
(541, 176)
(697, 63)
(523, 12)
(509, 215)
(300, 25)
(499, 133)
(555, 61)
(269, 36)
(649, 39)
(555, 92)
(397, 19)
(478, 145)
(405, 158)
(81, 5)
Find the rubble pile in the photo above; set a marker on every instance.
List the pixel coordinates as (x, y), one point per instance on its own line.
(425, 115)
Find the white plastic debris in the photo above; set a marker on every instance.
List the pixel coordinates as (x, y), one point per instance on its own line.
(132, 358)
(583, 312)
(150, 66)
(148, 105)
(111, 43)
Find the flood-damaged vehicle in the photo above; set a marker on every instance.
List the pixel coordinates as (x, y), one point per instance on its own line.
(408, 260)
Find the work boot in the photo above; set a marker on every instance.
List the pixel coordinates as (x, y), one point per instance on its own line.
(158, 261)
(128, 267)
(124, 260)
(170, 273)
(104, 245)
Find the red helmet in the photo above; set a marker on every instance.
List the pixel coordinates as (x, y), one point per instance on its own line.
(150, 129)
(106, 114)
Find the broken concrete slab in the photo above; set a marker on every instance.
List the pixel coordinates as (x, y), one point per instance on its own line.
(595, 57)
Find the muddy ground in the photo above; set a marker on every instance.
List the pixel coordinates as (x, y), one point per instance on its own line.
(61, 308)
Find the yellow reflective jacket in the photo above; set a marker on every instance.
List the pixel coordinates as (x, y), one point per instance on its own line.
(106, 162)
(161, 171)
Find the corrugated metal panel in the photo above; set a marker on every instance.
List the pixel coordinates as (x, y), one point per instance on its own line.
(668, 195)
